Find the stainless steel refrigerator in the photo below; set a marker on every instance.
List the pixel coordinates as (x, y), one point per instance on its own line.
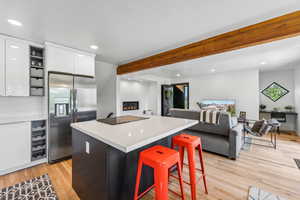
(71, 99)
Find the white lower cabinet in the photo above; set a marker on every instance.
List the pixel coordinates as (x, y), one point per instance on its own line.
(15, 145)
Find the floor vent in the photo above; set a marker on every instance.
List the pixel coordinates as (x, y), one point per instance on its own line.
(297, 162)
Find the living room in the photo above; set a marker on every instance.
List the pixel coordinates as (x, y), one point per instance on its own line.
(240, 75)
(242, 78)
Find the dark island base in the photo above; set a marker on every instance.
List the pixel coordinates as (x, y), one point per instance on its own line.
(107, 173)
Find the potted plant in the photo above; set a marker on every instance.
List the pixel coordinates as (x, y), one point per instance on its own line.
(289, 108)
(231, 110)
(262, 107)
(168, 94)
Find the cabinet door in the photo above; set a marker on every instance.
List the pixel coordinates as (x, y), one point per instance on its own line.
(17, 68)
(2, 68)
(15, 145)
(60, 60)
(85, 65)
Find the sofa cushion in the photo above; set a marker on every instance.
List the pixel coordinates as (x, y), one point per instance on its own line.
(222, 128)
(234, 122)
(212, 142)
(186, 114)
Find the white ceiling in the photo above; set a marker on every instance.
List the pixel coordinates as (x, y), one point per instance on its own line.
(129, 29)
(283, 54)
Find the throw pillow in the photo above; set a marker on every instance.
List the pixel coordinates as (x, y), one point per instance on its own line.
(264, 129)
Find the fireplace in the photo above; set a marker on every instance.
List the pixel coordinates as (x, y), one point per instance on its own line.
(130, 105)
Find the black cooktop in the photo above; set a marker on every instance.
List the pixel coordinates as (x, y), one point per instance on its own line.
(121, 120)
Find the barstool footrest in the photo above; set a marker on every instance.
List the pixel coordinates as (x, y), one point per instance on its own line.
(175, 193)
(195, 168)
(146, 191)
(188, 183)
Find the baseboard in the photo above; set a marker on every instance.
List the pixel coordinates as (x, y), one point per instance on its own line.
(10, 170)
(290, 132)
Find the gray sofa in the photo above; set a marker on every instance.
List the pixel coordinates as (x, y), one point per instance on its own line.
(223, 138)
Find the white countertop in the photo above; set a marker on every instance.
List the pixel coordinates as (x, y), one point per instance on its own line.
(133, 135)
(4, 119)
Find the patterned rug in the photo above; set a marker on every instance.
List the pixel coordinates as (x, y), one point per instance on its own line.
(297, 162)
(258, 194)
(39, 188)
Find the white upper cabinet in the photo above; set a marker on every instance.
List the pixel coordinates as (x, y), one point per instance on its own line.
(59, 59)
(15, 143)
(17, 68)
(67, 60)
(2, 67)
(85, 65)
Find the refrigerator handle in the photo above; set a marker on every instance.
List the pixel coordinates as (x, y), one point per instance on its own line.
(71, 103)
(74, 105)
(75, 101)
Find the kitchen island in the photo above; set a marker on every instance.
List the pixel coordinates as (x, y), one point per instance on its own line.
(105, 156)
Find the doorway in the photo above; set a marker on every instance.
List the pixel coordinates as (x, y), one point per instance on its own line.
(174, 96)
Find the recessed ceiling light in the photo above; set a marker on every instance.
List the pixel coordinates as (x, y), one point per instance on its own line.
(80, 55)
(14, 46)
(14, 22)
(178, 75)
(95, 47)
(213, 70)
(263, 63)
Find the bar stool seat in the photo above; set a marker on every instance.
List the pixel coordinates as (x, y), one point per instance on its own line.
(186, 140)
(191, 143)
(161, 159)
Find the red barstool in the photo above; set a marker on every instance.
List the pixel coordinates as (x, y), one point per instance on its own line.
(161, 159)
(191, 143)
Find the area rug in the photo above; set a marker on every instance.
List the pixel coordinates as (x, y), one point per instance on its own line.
(258, 194)
(247, 145)
(39, 188)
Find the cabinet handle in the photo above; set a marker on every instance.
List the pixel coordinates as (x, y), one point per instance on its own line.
(18, 122)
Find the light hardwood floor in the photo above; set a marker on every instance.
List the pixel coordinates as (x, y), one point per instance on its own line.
(269, 169)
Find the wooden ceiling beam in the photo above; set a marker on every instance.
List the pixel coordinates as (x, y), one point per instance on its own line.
(278, 28)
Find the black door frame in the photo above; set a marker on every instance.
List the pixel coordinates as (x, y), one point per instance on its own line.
(174, 84)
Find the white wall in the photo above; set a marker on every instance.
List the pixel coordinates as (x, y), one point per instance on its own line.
(283, 77)
(297, 96)
(157, 91)
(286, 79)
(153, 97)
(145, 92)
(106, 89)
(241, 86)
